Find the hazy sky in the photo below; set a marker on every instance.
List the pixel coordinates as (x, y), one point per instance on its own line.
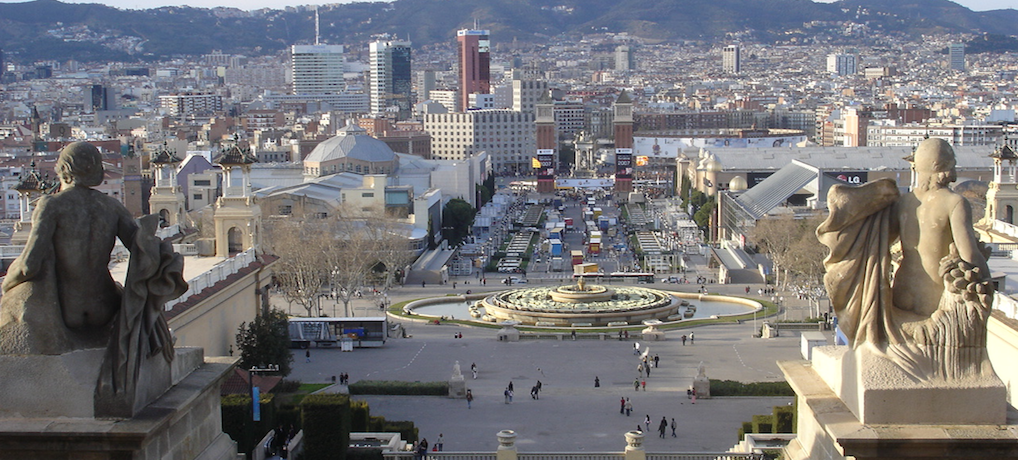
(976, 5)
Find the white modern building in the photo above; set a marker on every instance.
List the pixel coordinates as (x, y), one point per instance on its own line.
(390, 78)
(841, 64)
(509, 137)
(730, 59)
(317, 69)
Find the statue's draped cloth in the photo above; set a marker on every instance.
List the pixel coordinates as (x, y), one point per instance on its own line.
(859, 234)
(950, 343)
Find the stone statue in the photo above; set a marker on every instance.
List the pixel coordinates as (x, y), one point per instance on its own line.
(581, 285)
(931, 320)
(59, 295)
(456, 373)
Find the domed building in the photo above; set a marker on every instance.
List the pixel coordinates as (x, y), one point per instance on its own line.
(352, 150)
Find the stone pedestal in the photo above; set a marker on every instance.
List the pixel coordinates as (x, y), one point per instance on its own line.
(183, 422)
(651, 332)
(828, 429)
(702, 387)
(878, 391)
(457, 388)
(509, 333)
(506, 445)
(634, 446)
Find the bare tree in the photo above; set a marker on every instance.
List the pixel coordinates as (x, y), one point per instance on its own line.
(303, 266)
(775, 236)
(351, 255)
(392, 246)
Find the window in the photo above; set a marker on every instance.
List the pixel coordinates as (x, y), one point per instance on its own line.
(285, 210)
(202, 182)
(368, 195)
(196, 196)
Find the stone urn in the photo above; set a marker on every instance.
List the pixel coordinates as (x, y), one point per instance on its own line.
(506, 440)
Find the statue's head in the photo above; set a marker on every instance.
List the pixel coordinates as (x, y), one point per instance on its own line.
(935, 157)
(80, 163)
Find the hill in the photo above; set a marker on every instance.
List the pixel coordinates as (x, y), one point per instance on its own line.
(49, 29)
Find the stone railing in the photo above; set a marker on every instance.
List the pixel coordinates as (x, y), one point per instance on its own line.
(215, 275)
(1006, 304)
(1004, 228)
(633, 451)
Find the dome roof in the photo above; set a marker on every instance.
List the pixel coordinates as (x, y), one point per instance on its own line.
(352, 142)
(737, 184)
(713, 166)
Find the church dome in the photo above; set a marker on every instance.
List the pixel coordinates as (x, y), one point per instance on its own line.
(737, 184)
(713, 166)
(352, 142)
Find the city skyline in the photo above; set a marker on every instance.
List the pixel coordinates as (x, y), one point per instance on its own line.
(974, 5)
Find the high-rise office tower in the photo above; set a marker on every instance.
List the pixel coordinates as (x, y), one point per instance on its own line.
(390, 83)
(841, 64)
(317, 69)
(956, 52)
(624, 58)
(96, 98)
(730, 61)
(474, 64)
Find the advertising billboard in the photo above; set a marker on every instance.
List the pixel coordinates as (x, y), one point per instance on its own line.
(623, 163)
(545, 165)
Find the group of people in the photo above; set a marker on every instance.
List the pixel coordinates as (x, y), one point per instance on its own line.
(662, 427)
(344, 378)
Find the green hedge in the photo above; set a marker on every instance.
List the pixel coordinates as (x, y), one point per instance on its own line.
(733, 388)
(407, 430)
(238, 423)
(783, 419)
(394, 387)
(326, 422)
(360, 414)
(365, 454)
(763, 423)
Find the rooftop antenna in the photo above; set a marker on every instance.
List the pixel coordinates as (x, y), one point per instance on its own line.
(476, 27)
(317, 29)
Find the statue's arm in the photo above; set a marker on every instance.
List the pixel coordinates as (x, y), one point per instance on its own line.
(127, 227)
(965, 237)
(38, 248)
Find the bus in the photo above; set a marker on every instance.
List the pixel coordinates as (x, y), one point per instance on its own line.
(327, 332)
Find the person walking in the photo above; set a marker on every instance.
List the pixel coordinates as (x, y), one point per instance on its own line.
(629, 407)
(636, 348)
(673, 428)
(646, 422)
(690, 338)
(636, 385)
(694, 395)
(656, 360)
(661, 428)
(439, 444)
(470, 398)
(307, 356)
(644, 384)
(597, 382)
(683, 339)
(622, 405)
(533, 392)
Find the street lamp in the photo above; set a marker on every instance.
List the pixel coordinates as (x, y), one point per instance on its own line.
(256, 409)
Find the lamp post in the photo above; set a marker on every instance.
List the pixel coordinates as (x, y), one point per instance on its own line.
(256, 412)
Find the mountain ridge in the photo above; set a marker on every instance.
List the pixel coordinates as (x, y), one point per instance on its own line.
(50, 29)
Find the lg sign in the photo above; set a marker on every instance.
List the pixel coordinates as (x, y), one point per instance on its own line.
(851, 177)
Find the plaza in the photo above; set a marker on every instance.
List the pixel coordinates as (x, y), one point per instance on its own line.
(571, 414)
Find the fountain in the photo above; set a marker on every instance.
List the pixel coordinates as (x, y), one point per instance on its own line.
(577, 305)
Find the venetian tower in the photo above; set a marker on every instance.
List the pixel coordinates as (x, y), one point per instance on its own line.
(167, 198)
(237, 217)
(1002, 196)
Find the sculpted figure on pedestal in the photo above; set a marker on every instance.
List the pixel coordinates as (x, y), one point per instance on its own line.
(931, 319)
(59, 296)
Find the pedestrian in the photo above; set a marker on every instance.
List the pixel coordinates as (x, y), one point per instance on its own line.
(694, 395)
(673, 428)
(307, 356)
(533, 392)
(510, 387)
(656, 359)
(597, 382)
(690, 338)
(573, 333)
(422, 283)
(423, 448)
(639, 369)
(439, 444)
(644, 384)
(683, 339)
(636, 385)
(747, 290)
(622, 405)
(636, 349)
(540, 386)
(506, 395)
(662, 427)
(454, 285)
(646, 422)
(647, 369)
(629, 407)
(470, 398)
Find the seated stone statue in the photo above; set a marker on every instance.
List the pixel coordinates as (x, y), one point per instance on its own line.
(59, 295)
(931, 319)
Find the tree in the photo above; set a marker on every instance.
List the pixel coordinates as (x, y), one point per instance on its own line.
(266, 341)
(351, 255)
(457, 217)
(791, 245)
(392, 247)
(303, 267)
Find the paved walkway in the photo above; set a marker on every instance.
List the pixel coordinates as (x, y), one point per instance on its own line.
(571, 415)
